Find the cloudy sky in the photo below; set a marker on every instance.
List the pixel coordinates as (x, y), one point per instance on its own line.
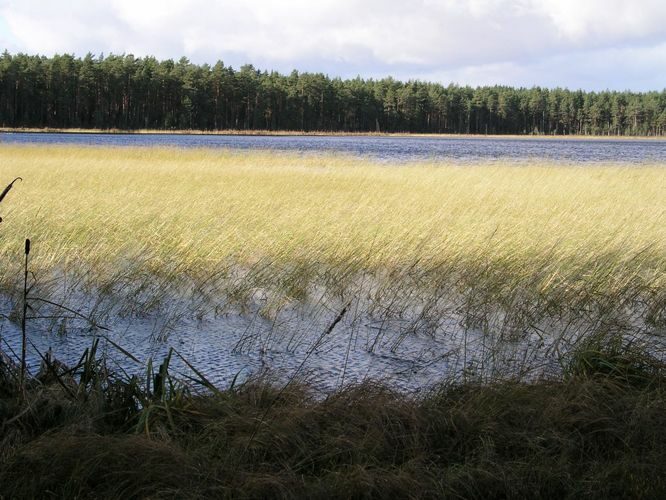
(589, 44)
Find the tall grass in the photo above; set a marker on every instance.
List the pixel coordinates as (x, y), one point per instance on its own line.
(594, 434)
(574, 257)
(497, 246)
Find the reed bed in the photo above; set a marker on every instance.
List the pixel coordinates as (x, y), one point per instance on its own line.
(499, 247)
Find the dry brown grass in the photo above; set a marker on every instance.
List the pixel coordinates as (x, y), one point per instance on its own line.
(145, 225)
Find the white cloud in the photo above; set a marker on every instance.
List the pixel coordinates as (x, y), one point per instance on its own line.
(615, 69)
(605, 20)
(463, 38)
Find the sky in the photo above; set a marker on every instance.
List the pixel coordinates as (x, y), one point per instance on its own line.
(587, 44)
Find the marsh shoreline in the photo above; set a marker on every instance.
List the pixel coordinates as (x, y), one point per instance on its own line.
(302, 133)
(508, 255)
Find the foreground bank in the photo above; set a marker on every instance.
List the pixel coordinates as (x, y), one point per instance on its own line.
(595, 432)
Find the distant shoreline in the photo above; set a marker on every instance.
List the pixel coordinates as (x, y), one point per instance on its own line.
(300, 133)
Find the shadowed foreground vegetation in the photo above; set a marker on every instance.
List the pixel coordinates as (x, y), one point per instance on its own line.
(595, 432)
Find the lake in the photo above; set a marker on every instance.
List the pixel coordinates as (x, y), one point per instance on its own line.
(384, 148)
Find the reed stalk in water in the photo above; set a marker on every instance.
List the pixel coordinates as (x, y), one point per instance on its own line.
(498, 248)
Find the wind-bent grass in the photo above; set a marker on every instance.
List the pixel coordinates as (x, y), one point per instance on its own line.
(579, 252)
(516, 243)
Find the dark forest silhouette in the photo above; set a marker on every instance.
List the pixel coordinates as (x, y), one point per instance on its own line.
(125, 92)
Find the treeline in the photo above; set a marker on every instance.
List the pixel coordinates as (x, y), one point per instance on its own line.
(125, 92)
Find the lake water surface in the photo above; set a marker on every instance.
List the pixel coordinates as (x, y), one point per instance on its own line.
(387, 149)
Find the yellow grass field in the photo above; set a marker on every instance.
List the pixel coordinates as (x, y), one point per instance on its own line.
(230, 222)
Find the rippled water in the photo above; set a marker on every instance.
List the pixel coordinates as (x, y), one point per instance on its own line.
(240, 344)
(389, 149)
(359, 348)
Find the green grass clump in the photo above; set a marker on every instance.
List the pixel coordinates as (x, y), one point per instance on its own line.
(590, 434)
